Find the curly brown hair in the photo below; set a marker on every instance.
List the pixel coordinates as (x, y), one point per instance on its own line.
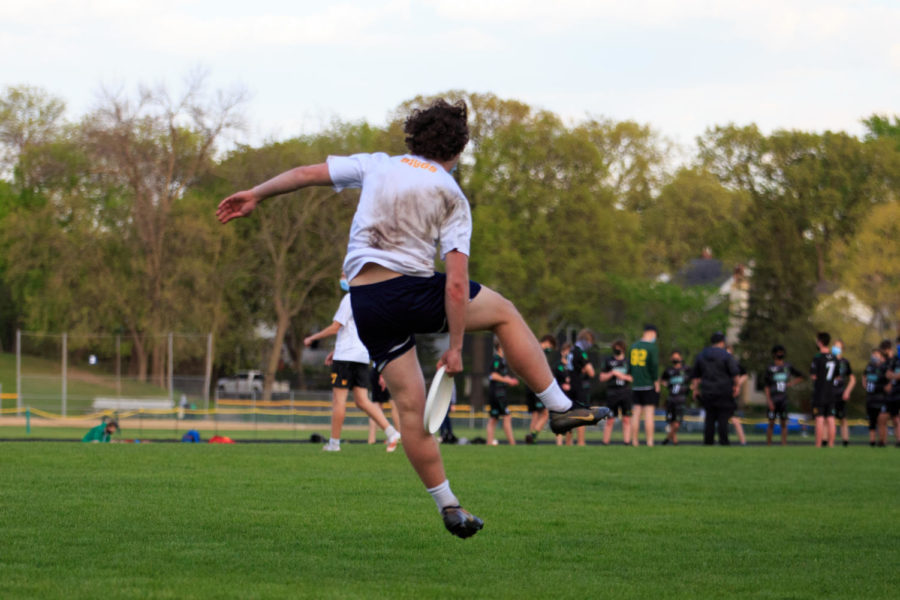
(439, 132)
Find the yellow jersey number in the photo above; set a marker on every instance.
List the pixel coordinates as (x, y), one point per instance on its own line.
(639, 357)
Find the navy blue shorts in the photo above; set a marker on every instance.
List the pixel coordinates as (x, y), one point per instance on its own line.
(388, 314)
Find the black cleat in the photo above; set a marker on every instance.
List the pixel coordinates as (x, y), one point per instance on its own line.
(529, 438)
(561, 422)
(461, 522)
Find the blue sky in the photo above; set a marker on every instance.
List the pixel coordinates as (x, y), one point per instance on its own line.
(679, 66)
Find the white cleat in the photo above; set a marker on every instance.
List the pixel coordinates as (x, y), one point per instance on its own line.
(392, 442)
(329, 447)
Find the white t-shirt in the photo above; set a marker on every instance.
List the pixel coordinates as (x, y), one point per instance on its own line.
(408, 205)
(347, 346)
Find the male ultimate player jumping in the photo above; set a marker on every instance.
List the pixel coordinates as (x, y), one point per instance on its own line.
(409, 204)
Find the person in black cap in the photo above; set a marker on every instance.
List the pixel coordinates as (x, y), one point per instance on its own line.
(715, 381)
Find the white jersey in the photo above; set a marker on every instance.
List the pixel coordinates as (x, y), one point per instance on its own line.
(348, 347)
(407, 207)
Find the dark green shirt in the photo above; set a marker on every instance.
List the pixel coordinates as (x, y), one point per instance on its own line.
(96, 434)
(643, 364)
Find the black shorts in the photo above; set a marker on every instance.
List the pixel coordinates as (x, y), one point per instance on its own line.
(379, 396)
(619, 402)
(892, 406)
(823, 409)
(534, 403)
(346, 375)
(674, 412)
(388, 314)
(498, 408)
(645, 397)
(840, 408)
(874, 407)
(780, 411)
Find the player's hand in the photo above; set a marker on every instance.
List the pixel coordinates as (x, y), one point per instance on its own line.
(236, 205)
(846, 396)
(451, 360)
(329, 359)
(513, 381)
(308, 340)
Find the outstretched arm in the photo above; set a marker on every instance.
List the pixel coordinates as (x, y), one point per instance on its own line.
(241, 204)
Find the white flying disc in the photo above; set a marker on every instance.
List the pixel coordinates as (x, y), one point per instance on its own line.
(438, 401)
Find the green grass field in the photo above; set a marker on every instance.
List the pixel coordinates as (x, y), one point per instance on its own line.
(289, 521)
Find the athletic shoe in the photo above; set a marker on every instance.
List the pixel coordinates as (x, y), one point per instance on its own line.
(393, 441)
(460, 522)
(561, 422)
(665, 441)
(329, 447)
(529, 438)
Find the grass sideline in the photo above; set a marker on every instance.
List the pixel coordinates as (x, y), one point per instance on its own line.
(289, 521)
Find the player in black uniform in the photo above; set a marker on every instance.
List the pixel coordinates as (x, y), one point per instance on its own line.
(618, 392)
(563, 376)
(822, 371)
(892, 395)
(876, 382)
(780, 376)
(581, 372)
(500, 379)
(677, 380)
(844, 382)
(539, 412)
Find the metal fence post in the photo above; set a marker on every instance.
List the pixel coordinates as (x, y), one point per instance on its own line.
(18, 372)
(65, 357)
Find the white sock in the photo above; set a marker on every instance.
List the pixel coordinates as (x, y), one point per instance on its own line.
(334, 442)
(443, 496)
(390, 431)
(554, 398)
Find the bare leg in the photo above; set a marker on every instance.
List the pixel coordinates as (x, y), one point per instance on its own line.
(404, 379)
(541, 419)
(338, 411)
(784, 432)
(820, 431)
(845, 431)
(636, 425)
(608, 429)
(491, 427)
(882, 429)
(896, 421)
(581, 440)
(674, 432)
(507, 428)
(361, 398)
(739, 429)
(649, 425)
(769, 430)
(372, 429)
(830, 430)
(626, 430)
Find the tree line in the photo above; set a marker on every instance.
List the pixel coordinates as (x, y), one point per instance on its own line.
(106, 224)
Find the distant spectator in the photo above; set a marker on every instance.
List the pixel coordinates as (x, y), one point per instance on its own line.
(643, 366)
(823, 371)
(676, 380)
(780, 375)
(614, 374)
(892, 392)
(500, 379)
(715, 381)
(844, 382)
(876, 382)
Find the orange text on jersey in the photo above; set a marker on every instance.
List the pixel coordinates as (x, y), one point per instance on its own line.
(418, 164)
